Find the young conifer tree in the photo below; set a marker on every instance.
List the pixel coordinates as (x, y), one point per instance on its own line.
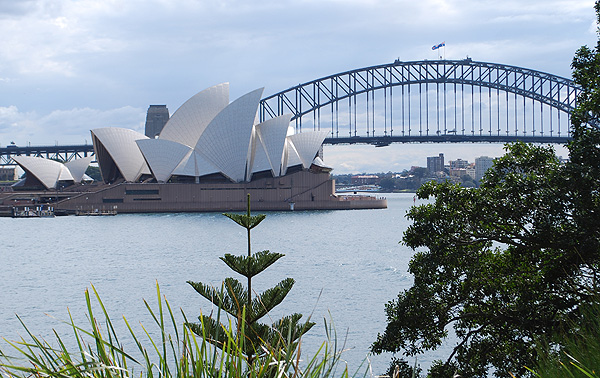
(238, 301)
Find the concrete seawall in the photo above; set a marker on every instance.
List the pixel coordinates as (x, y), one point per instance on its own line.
(303, 190)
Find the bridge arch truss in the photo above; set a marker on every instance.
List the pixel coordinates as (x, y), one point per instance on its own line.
(431, 101)
(420, 101)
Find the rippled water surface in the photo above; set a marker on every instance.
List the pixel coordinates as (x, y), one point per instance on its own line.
(347, 265)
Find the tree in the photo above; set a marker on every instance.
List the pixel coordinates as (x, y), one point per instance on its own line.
(237, 301)
(584, 149)
(467, 181)
(387, 184)
(506, 265)
(486, 266)
(420, 172)
(399, 368)
(94, 173)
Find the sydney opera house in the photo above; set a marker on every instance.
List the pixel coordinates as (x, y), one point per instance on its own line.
(208, 156)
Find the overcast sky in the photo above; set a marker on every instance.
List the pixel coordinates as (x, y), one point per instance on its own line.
(69, 66)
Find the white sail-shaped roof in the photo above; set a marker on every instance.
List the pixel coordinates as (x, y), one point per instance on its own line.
(226, 140)
(291, 157)
(47, 171)
(77, 167)
(272, 134)
(122, 147)
(319, 163)
(163, 156)
(189, 121)
(65, 174)
(195, 165)
(187, 166)
(207, 135)
(259, 160)
(307, 145)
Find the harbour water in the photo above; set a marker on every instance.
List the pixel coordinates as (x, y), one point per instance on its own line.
(347, 266)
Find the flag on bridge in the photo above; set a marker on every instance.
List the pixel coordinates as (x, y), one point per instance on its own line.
(435, 47)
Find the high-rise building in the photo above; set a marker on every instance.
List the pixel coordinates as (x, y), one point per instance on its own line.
(482, 164)
(459, 164)
(435, 163)
(156, 118)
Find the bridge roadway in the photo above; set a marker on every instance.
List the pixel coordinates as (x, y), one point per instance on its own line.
(448, 138)
(68, 153)
(62, 153)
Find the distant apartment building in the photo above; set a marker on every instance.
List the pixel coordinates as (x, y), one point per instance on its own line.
(365, 180)
(458, 164)
(458, 172)
(435, 163)
(471, 171)
(156, 118)
(8, 174)
(482, 164)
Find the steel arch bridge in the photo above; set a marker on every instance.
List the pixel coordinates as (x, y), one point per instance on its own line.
(431, 101)
(427, 101)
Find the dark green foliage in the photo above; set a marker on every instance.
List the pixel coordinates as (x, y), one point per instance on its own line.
(507, 265)
(420, 172)
(251, 266)
(245, 220)
(495, 263)
(94, 173)
(467, 181)
(584, 149)
(579, 353)
(345, 179)
(237, 301)
(399, 368)
(441, 369)
(234, 299)
(388, 184)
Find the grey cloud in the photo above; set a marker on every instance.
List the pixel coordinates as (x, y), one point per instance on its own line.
(64, 126)
(11, 8)
(95, 55)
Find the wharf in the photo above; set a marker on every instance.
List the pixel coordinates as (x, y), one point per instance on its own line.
(37, 212)
(95, 212)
